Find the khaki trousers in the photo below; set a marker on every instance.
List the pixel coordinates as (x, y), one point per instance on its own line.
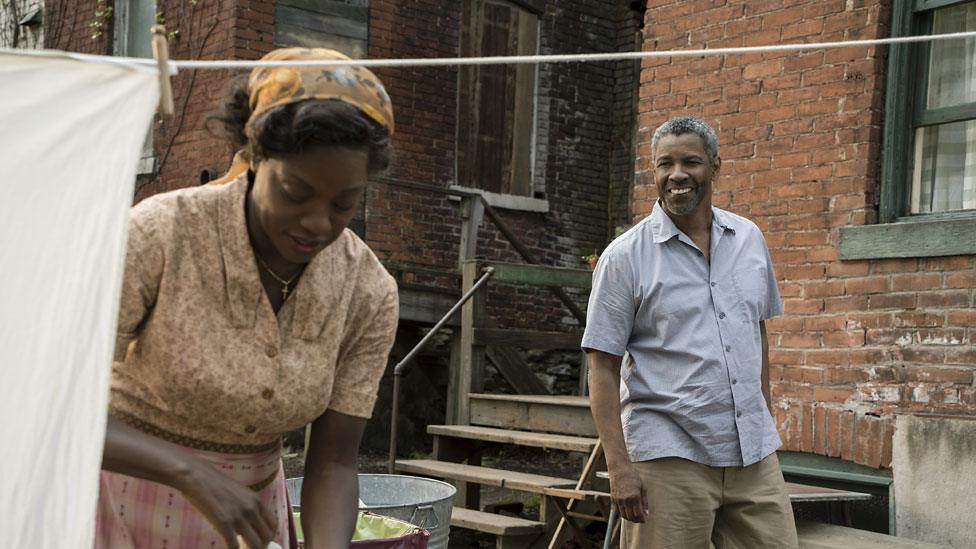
(694, 506)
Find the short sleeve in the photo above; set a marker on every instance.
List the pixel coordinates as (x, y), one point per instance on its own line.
(774, 305)
(140, 283)
(611, 310)
(360, 369)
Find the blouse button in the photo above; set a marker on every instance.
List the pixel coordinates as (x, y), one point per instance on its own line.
(271, 351)
(267, 394)
(250, 429)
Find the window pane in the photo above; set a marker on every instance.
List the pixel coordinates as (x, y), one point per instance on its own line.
(945, 168)
(142, 16)
(952, 63)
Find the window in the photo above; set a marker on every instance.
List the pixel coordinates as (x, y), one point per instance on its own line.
(133, 21)
(928, 183)
(496, 103)
(944, 172)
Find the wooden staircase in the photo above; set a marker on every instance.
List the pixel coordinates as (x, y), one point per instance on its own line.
(480, 423)
(559, 423)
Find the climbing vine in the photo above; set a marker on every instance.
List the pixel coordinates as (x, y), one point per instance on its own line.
(103, 16)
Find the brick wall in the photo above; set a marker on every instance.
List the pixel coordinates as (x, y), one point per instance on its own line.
(68, 25)
(575, 136)
(215, 29)
(800, 139)
(211, 29)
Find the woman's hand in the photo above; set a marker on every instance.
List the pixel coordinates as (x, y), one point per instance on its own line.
(233, 510)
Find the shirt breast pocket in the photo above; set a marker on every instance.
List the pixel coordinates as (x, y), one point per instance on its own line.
(750, 289)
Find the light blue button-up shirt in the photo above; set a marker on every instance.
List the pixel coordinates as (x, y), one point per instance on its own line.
(688, 329)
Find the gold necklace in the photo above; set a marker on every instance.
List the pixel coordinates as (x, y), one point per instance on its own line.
(284, 283)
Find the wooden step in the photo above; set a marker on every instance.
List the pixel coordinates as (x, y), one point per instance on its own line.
(490, 523)
(561, 414)
(520, 438)
(512, 480)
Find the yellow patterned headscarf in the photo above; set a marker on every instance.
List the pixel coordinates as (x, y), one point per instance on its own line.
(276, 86)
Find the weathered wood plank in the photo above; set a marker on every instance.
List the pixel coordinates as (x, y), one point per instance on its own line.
(909, 239)
(804, 492)
(486, 476)
(499, 525)
(289, 36)
(426, 306)
(528, 339)
(554, 400)
(353, 11)
(534, 6)
(514, 369)
(549, 418)
(322, 23)
(472, 355)
(521, 438)
(538, 275)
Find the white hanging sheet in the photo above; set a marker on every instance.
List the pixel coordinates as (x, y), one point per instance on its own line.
(71, 132)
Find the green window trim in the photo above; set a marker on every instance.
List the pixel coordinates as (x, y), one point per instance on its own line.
(897, 235)
(933, 235)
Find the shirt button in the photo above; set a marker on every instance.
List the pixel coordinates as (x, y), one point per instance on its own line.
(714, 284)
(721, 315)
(728, 348)
(738, 414)
(250, 429)
(267, 394)
(734, 381)
(271, 351)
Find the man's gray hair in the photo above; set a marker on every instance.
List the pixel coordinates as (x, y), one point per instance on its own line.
(687, 124)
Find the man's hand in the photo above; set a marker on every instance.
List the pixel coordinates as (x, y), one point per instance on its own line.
(628, 493)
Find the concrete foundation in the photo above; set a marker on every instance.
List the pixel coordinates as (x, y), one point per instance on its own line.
(934, 463)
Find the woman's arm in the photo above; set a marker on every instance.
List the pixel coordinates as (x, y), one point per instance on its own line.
(330, 491)
(233, 509)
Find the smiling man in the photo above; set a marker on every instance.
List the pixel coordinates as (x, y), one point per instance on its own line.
(677, 313)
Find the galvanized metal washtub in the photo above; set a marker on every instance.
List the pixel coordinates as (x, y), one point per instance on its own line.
(424, 502)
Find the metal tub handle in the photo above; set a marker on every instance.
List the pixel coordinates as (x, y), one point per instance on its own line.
(423, 522)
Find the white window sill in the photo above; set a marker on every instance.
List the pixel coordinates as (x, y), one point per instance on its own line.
(509, 201)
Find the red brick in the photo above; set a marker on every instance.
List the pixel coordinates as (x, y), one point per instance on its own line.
(935, 374)
(828, 357)
(944, 298)
(918, 281)
(966, 279)
(961, 318)
(866, 285)
(892, 301)
(832, 394)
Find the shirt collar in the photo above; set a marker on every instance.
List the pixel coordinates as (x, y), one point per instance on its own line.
(664, 229)
(316, 288)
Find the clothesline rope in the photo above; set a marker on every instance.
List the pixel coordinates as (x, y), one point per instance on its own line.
(528, 59)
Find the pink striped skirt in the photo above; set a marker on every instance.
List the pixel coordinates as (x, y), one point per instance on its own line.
(139, 514)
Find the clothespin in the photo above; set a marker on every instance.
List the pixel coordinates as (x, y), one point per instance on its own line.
(160, 48)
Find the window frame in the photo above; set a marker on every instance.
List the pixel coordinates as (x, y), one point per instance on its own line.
(120, 47)
(898, 233)
(531, 199)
